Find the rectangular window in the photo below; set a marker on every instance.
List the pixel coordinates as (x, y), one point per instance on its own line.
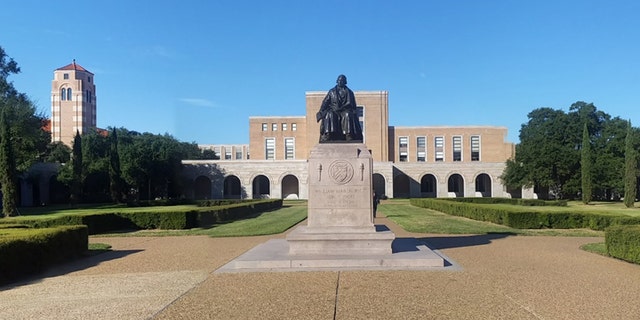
(457, 148)
(264, 127)
(439, 148)
(475, 148)
(289, 152)
(284, 127)
(421, 148)
(403, 148)
(216, 152)
(270, 148)
(66, 76)
(361, 118)
(227, 154)
(238, 155)
(274, 127)
(294, 126)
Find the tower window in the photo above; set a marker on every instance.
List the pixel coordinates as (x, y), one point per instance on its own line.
(289, 148)
(66, 76)
(270, 148)
(63, 94)
(69, 94)
(264, 127)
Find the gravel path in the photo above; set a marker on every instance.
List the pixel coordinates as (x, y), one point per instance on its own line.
(502, 277)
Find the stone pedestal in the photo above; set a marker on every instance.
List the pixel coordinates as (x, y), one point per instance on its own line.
(340, 206)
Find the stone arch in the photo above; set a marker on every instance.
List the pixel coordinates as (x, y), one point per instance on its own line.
(231, 187)
(483, 185)
(429, 186)
(290, 187)
(455, 185)
(401, 186)
(202, 186)
(380, 185)
(261, 187)
(58, 192)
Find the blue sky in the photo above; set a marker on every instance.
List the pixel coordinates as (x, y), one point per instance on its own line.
(199, 69)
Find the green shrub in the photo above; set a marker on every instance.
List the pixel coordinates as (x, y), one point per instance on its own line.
(523, 218)
(623, 242)
(28, 251)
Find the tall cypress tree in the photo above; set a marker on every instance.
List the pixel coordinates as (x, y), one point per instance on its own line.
(585, 165)
(116, 183)
(76, 162)
(8, 175)
(630, 170)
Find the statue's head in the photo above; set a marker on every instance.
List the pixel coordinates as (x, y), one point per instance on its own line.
(342, 80)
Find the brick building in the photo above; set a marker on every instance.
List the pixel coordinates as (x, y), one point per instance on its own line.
(430, 161)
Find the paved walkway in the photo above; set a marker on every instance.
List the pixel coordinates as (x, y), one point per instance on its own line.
(501, 277)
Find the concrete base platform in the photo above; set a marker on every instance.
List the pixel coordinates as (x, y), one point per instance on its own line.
(273, 255)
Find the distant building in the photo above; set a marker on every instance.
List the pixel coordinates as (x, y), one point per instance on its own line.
(429, 161)
(73, 103)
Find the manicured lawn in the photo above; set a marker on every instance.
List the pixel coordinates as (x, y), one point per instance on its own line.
(422, 220)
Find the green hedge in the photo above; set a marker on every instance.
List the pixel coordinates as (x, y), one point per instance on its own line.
(28, 251)
(183, 219)
(522, 218)
(513, 201)
(623, 242)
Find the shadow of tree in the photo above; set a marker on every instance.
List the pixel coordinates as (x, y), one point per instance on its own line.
(81, 263)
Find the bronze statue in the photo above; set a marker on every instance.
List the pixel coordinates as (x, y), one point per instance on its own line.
(339, 115)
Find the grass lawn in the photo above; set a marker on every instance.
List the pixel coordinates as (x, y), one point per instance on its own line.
(422, 220)
(272, 222)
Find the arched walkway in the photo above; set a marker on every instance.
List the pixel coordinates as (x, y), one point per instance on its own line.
(232, 188)
(379, 185)
(401, 186)
(58, 192)
(483, 185)
(261, 187)
(455, 185)
(428, 186)
(202, 188)
(290, 187)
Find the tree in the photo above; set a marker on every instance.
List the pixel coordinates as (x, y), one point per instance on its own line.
(76, 165)
(585, 165)
(7, 169)
(116, 184)
(630, 169)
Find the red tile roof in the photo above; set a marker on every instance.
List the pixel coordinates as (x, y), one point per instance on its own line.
(74, 66)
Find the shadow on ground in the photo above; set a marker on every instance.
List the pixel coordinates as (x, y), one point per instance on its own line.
(68, 267)
(448, 242)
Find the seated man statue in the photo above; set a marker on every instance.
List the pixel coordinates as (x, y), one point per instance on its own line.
(339, 115)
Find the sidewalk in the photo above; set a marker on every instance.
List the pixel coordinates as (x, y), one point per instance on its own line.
(501, 277)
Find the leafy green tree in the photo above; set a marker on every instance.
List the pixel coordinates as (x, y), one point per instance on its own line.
(631, 169)
(57, 152)
(7, 169)
(116, 183)
(76, 165)
(585, 165)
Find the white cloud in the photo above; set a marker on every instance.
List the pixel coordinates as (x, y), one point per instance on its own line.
(199, 102)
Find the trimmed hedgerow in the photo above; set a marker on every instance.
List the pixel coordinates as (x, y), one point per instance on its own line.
(522, 218)
(516, 201)
(25, 251)
(623, 242)
(172, 220)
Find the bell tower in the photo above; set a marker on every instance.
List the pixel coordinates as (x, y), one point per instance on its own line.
(73, 103)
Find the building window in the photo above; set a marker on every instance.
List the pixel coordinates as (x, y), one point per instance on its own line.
(270, 148)
(216, 152)
(239, 155)
(439, 148)
(69, 94)
(475, 148)
(284, 127)
(294, 126)
(403, 146)
(361, 118)
(63, 94)
(227, 154)
(403, 156)
(457, 148)
(264, 127)
(421, 146)
(89, 79)
(65, 76)
(274, 127)
(289, 152)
